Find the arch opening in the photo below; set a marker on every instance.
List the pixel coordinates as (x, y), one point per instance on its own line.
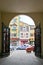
(21, 30)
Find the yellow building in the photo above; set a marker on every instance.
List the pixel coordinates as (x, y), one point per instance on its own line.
(14, 26)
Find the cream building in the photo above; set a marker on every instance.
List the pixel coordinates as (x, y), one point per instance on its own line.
(24, 33)
(32, 33)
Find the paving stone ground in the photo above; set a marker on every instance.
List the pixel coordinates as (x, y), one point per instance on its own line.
(21, 57)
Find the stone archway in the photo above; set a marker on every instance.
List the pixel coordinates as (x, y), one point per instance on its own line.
(6, 18)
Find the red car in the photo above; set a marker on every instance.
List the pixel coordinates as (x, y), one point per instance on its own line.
(30, 48)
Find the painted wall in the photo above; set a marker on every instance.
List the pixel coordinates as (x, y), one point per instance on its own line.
(37, 17)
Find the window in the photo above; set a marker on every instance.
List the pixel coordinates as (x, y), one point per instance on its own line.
(31, 34)
(26, 35)
(21, 28)
(24, 28)
(31, 27)
(21, 35)
(15, 34)
(12, 35)
(14, 27)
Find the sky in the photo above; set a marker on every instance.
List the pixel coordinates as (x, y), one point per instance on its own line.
(26, 19)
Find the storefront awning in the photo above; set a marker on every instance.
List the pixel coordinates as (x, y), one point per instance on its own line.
(14, 39)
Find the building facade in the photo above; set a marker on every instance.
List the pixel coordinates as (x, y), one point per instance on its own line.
(24, 33)
(14, 32)
(32, 34)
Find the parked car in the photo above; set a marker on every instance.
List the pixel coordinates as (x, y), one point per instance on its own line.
(30, 48)
(11, 47)
(22, 47)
